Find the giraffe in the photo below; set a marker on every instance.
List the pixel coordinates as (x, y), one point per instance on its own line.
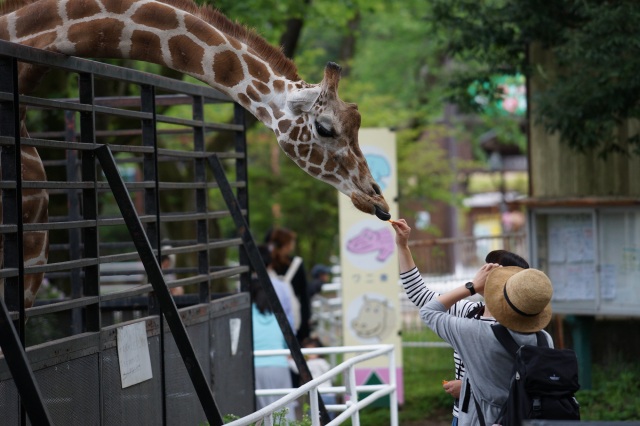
(313, 126)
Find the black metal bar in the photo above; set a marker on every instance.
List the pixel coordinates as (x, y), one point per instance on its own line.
(151, 266)
(259, 267)
(200, 176)
(90, 235)
(242, 175)
(20, 368)
(73, 203)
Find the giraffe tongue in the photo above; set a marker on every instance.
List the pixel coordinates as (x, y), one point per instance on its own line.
(381, 214)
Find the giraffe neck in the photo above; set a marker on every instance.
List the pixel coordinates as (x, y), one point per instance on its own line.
(245, 68)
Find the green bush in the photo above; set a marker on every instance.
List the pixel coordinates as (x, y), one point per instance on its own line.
(615, 393)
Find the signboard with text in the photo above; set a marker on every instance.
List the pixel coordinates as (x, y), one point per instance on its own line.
(369, 265)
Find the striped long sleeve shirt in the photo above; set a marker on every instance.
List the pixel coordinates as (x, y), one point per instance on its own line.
(419, 294)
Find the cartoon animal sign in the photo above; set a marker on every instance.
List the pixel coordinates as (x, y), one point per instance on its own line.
(369, 240)
(375, 319)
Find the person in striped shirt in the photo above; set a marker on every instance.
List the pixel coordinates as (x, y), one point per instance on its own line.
(419, 294)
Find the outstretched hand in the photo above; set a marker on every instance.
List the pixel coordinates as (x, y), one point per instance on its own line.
(402, 232)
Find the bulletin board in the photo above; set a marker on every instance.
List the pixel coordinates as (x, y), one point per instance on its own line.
(592, 257)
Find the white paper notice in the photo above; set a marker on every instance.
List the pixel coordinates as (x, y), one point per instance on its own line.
(234, 333)
(133, 354)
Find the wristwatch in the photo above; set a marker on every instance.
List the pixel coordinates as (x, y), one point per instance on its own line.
(469, 287)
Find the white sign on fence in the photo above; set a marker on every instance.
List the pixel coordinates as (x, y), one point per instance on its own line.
(133, 354)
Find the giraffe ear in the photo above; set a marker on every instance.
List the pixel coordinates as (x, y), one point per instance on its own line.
(331, 77)
(302, 100)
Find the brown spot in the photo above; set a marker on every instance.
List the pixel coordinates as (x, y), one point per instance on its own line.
(156, 15)
(203, 31)
(317, 155)
(80, 9)
(262, 88)
(257, 69)
(305, 135)
(330, 164)
(4, 31)
(294, 134)
(118, 7)
(278, 85)
(300, 120)
(244, 100)
(98, 42)
(263, 115)
(330, 178)
(284, 125)
(32, 20)
(290, 149)
(227, 68)
(186, 54)
(146, 46)
(303, 150)
(276, 111)
(253, 94)
(314, 171)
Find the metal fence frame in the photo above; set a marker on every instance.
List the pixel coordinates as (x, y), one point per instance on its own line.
(85, 183)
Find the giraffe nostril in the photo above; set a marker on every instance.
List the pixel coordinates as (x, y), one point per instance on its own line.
(376, 189)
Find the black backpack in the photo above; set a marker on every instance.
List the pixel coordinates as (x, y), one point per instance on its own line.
(543, 383)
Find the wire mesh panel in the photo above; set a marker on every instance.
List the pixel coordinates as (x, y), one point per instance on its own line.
(9, 402)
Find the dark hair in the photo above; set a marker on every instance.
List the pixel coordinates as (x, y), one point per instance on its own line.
(279, 238)
(506, 258)
(259, 296)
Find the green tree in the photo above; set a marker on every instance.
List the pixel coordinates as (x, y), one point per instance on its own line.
(596, 48)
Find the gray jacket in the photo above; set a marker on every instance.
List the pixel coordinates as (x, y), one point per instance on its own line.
(488, 363)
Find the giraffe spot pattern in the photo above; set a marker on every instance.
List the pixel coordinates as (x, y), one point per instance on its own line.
(117, 7)
(4, 29)
(99, 41)
(146, 46)
(263, 115)
(278, 86)
(277, 114)
(156, 15)
(183, 50)
(295, 132)
(81, 9)
(262, 88)
(305, 134)
(40, 41)
(284, 125)
(253, 94)
(257, 69)
(30, 21)
(202, 31)
(244, 100)
(303, 151)
(227, 69)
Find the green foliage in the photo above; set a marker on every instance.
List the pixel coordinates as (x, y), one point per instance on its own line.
(590, 89)
(615, 394)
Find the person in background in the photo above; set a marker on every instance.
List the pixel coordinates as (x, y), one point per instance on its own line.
(418, 292)
(320, 275)
(282, 244)
(278, 285)
(271, 372)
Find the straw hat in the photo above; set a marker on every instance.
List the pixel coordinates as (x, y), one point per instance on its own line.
(519, 299)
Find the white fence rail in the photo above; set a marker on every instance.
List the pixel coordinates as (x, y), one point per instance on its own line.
(352, 406)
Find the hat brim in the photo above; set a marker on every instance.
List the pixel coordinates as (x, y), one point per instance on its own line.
(500, 309)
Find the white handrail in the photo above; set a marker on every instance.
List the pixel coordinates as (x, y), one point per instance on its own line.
(352, 407)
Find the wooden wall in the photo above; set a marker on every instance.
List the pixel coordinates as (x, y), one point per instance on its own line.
(557, 172)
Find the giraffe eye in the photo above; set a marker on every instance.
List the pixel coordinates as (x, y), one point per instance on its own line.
(323, 131)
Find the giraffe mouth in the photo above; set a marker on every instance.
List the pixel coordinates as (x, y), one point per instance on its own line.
(381, 214)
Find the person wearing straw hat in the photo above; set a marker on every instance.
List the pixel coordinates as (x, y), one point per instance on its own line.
(419, 294)
(520, 300)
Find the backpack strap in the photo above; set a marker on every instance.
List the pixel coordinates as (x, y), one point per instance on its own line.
(505, 338)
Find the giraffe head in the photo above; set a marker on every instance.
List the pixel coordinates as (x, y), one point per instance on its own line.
(320, 133)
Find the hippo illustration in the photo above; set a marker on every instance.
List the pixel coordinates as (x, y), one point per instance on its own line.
(375, 320)
(379, 241)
